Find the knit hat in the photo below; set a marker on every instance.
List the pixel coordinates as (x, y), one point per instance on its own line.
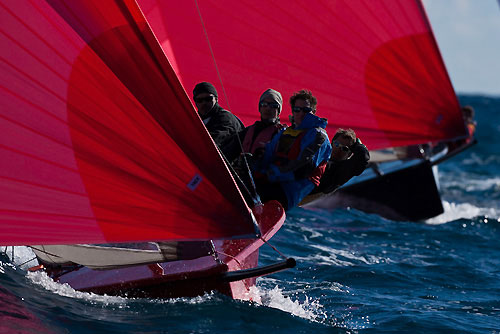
(273, 95)
(204, 87)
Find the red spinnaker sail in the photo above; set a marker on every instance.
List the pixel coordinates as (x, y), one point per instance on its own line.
(374, 65)
(98, 140)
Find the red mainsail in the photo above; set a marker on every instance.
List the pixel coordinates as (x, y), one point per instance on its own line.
(374, 65)
(98, 139)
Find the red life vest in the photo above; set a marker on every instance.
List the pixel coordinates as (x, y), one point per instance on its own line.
(263, 137)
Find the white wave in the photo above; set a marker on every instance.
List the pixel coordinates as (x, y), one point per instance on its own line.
(475, 159)
(312, 232)
(454, 211)
(40, 278)
(476, 184)
(309, 309)
(340, 257)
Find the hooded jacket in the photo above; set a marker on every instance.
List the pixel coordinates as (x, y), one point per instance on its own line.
(296, 154)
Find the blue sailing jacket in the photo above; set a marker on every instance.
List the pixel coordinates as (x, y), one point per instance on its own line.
(293, 154)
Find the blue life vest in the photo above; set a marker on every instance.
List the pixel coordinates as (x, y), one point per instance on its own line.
(289, 146)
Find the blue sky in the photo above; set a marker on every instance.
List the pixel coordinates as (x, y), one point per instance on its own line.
(468, 35)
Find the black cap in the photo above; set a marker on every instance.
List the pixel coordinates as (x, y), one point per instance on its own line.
(204, 87)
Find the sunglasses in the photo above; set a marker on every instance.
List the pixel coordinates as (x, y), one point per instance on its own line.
(203, 99)
(270, 105)
(302, 109)
(342, 147)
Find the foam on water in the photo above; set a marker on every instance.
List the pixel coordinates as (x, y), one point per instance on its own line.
(476, 159)
(455, 211)
(310, 309)
(477, 184)
(339, 257)
(41, 279)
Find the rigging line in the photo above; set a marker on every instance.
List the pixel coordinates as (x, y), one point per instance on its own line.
(238, 179)
(232, 257)
(216, 67)
(45, 252)
(212, 53)
(265, 241)
(254, 196)
(220, 77)
(239, 265)
(22, 264)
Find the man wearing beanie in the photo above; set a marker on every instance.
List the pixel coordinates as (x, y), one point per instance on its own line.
(219, 122)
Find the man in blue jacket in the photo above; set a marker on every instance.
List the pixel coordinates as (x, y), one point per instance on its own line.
(296, 158)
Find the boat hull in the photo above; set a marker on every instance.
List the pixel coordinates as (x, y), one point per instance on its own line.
(185, 278)
(407, 193)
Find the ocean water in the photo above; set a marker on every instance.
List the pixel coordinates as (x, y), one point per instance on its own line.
(356, 272)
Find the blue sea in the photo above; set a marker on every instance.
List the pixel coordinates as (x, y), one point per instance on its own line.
(356, 272)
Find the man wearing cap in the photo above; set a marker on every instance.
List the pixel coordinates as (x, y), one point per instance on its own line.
(219, 122)
(254, 138)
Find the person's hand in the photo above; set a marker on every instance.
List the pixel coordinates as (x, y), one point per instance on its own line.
(356, 143)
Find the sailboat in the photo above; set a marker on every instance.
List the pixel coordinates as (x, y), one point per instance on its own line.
(374, 66)
(107, 170)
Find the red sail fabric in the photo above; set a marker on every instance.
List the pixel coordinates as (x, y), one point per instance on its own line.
(98, 140)
(373, 65)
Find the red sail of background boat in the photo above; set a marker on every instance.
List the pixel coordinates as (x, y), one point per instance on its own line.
(99, 141)
(373, 65)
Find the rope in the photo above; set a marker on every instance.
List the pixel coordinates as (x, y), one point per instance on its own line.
(282, 255)
(212, 53)
(247, 286)
(254, 196)
(232, 257)
(234, 173)
(44, 251)
(22, 264)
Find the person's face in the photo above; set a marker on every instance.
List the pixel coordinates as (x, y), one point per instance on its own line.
(300, 109)
(269, 109)
(204, 102)
(340, 149)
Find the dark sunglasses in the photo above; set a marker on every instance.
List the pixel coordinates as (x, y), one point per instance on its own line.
(270, 105)
(302, 109)
(203, 99)
(342, 147)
